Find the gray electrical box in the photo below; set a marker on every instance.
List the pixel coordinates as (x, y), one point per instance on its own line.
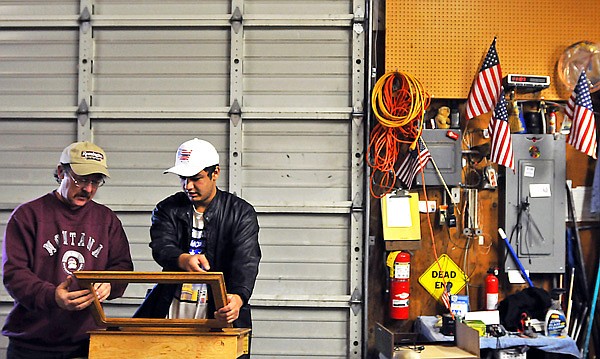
(535, 204)
(446, 150)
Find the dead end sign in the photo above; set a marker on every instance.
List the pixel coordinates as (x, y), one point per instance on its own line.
(439, 274)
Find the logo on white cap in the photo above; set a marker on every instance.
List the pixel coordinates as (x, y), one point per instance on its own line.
(193, 156)
(184, 154)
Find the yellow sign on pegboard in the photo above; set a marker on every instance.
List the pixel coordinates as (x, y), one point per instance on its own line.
(442, 274)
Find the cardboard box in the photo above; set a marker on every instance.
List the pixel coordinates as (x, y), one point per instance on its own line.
(466, 347)
(489, 317)
(459, 305)
(478, 325)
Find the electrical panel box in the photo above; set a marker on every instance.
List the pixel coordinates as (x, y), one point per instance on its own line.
(535, 203)
(446, 150)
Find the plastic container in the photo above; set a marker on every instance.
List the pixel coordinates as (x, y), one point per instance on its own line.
(555, 322)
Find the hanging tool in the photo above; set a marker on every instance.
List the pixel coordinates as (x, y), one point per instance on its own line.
(582, 279)
(580, 262)
(543, 110)
(471, 227)
(570, 298)
(586, 343)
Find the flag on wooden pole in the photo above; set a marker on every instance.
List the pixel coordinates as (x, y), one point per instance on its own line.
(501, 151)
(581, 112)
(486, 87)
(413, 163)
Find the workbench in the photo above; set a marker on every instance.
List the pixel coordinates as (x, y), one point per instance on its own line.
(143, 344)
(392, 345)
(143, 338)
(424, 325)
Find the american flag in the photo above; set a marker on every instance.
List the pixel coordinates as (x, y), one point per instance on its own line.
(486, 87)
(413, 163)
(581, 112)
(184, 154)
(501, 150)
(445, 297)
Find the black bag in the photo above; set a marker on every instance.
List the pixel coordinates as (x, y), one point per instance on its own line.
(533, 301)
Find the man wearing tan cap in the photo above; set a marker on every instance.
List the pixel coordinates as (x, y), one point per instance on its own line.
(48, 239)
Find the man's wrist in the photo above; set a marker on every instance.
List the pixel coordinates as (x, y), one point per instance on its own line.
(182, 261)
(244, 300)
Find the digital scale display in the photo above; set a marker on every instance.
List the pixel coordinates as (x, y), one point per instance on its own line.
(527, 82)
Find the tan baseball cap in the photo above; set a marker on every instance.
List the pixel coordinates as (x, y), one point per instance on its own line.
(85, 158)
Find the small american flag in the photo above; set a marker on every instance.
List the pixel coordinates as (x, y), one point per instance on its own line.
(445, 297)
(581, 112)
(501, 150)
(184, 154)
(413, 163)
(486, 87)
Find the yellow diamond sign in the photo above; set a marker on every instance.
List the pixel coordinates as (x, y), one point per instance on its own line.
(443, 273)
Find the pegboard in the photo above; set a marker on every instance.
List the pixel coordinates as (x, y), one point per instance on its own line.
(443, 42)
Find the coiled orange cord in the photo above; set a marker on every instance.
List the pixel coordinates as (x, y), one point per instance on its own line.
(399, 102)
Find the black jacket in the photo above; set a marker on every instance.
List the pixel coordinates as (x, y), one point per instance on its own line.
(231, 228)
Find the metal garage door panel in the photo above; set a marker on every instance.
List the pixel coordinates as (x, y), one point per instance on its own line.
(39, 8)
(38, 69)
(161, 68)
(301, 278)
(305, 7)
(296, 161)
(297, 67)
(303, 254)
(171, 7)
(299, 333)
(29, 153)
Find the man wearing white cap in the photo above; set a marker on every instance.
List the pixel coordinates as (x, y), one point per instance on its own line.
(202, 229)
(48, 239)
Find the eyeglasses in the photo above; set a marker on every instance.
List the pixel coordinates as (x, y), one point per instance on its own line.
(83, 183)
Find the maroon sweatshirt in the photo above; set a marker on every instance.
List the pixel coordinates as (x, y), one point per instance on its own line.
(45, 241)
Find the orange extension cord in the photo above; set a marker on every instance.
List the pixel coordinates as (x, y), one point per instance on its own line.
(399, 102)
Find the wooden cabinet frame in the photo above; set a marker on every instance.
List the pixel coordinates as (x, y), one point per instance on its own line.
(215, 280)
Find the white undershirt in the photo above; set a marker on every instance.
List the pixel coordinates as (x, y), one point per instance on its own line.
(190, 301)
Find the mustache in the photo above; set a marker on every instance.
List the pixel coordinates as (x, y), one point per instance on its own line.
(84, 194)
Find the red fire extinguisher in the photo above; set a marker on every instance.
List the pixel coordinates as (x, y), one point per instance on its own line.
(400, 286)
(491, 289)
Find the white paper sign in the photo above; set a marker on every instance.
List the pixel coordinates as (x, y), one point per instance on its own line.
(539, 190)
(398, 211)
(529, 171)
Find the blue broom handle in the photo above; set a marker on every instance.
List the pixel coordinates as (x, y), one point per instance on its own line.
(591, 320)
(514, 255)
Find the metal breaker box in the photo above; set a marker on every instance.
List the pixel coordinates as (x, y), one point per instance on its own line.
(534, 205)
(446, 150)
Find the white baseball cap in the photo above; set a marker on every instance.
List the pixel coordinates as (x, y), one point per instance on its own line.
(192, 157)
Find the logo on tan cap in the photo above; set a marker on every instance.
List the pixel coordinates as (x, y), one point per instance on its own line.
(85, 158)
(92, 155)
